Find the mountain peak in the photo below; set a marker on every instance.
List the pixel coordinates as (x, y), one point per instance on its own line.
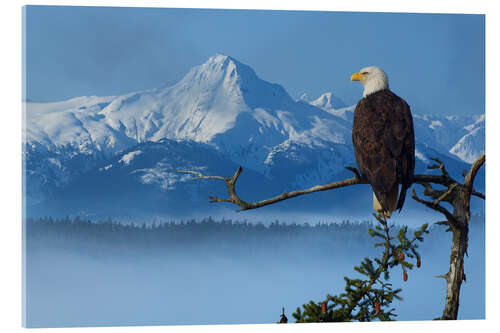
(304, 98)
(222, 74)
(220, 58)
(224, 64)
(327, 101)
(219, 61)
(324, 101)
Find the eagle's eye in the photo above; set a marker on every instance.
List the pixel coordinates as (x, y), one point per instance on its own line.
(364, 73)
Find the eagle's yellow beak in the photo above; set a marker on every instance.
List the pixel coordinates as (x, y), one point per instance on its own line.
(357, 76)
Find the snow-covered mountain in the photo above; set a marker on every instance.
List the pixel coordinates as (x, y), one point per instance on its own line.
(220, 105)
(221, 102)
(328, 101)
(145, 181)
(472, 144)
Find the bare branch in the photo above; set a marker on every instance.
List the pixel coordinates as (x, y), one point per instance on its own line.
(479, 195)
(236, 175)
(235, 199)
(442, 223)
(199, 175)
(469, 178)
(230, 183)
(357, 179)
(446, 223)
(445, 194)
(215, 199)
(355, 171)
(436, 179)
(287, 195)
(439, 166)
(433, 206)
(432, 192)
(443, 179)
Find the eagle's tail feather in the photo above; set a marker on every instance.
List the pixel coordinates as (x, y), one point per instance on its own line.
(386, 208)
(402, 196)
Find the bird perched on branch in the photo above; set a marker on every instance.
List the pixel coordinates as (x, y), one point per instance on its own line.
(383, 140)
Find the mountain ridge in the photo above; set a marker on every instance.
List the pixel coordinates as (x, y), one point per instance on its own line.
(224, 105)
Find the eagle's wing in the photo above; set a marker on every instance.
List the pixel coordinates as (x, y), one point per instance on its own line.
(404, 150)
(384, 143)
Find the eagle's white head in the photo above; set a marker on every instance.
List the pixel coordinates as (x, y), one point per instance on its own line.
(373, 79)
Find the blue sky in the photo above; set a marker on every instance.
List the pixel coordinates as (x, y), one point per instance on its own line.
(436, 62)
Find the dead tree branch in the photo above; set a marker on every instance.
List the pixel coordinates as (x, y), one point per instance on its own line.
(445, 194)
(458, 195)
(442, 179)
(235, 199)
(479, 195)
(434, 206)
(469, 178)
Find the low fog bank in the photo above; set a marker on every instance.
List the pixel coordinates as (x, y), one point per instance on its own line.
(81, 273)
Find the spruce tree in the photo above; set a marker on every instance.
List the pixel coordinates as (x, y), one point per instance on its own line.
(370, 298)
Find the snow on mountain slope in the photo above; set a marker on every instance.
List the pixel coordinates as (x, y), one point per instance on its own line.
(204, 103)
(75, 122)
(331, 104)
(346, 113)
(471, 145)
(299, 165)
(439, 132)
(463, 137)
(145, 181)
(222, 102)
(328, 102)
(64, 140)
(225, 105)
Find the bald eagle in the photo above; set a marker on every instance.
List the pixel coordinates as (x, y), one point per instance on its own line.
(383, 140)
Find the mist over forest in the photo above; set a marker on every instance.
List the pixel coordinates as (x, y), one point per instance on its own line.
(104, 273)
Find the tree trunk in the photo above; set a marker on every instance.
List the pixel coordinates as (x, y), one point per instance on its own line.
(460, 230)
(456, 274)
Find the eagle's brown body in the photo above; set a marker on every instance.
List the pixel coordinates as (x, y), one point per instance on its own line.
(384, 146)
